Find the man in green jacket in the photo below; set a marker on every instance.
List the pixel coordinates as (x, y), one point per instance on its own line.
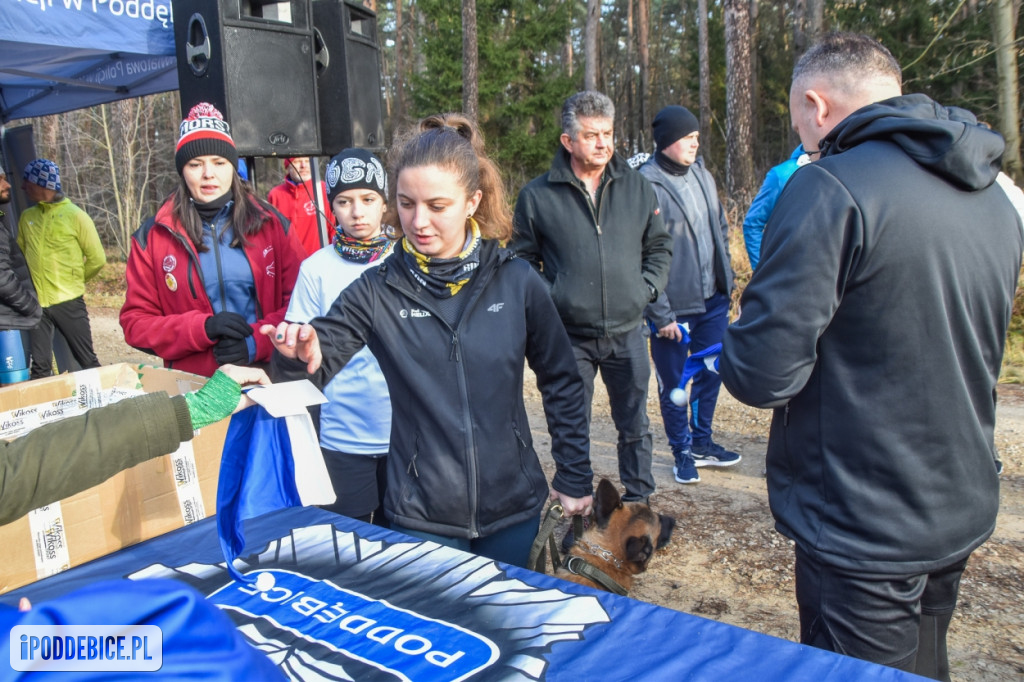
(592, 227)
(63, 252)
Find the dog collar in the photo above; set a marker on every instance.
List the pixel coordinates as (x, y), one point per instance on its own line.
(600, 552)
(579, 566)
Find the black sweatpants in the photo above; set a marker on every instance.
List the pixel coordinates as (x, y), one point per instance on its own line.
(899, 621)
(72, 319)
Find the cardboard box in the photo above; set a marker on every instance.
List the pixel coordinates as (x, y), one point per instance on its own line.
(152, 498)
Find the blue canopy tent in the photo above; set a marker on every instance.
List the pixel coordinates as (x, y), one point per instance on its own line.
(60, 55)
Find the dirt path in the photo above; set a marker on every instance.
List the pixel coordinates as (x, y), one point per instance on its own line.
(727, 562)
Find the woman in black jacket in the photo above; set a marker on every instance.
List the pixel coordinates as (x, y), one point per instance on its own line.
(450, 317)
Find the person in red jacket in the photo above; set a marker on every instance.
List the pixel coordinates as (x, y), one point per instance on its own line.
(294, 199)
(213, 265)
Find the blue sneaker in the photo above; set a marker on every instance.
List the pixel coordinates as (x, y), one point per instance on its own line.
(684, 470)
(712, 454)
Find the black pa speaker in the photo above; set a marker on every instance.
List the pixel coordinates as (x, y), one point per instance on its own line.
(253, 60)
(348, 76)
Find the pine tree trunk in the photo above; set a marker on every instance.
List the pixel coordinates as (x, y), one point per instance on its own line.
(628, 116)
(567, 51)
(470, 98)
(800, 38)
(399, 114)
(591, 44)
(644, 24)
(739, 165)
(706, 138)
(1004, 20)
(815, 21)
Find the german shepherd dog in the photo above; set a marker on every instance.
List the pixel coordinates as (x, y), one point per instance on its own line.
(620, 541)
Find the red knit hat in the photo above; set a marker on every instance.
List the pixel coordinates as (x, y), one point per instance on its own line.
(204, 132)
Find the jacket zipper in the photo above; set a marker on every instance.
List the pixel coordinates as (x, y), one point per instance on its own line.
(220, 272)
(519, 436)
(595, 214)
(455, 356)
(600, 251)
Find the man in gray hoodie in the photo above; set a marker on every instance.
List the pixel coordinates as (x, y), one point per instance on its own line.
(875, 325)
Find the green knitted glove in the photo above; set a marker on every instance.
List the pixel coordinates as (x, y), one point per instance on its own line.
(216, 400)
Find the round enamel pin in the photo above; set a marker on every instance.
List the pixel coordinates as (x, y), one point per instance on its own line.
(172, 283)
(170, 262)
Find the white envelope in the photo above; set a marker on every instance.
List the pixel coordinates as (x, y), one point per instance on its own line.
(286, 398)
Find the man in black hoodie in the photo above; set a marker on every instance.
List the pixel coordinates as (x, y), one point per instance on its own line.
(875, 325)
(19, 306)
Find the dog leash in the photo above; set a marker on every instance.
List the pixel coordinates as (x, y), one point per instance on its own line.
(545, 540)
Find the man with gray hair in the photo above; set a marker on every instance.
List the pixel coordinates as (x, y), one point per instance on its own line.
(592, 227)
(875, 325)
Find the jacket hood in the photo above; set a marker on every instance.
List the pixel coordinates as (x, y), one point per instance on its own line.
(947, 141)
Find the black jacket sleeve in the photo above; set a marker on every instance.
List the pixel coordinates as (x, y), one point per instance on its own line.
(550, 356)
(769, 353)
(15, 293)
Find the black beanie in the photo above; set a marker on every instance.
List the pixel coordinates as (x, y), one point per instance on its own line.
(355, 169)
(673, 123)
(204, 132)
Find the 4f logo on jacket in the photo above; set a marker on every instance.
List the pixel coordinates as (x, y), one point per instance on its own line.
(495, 307)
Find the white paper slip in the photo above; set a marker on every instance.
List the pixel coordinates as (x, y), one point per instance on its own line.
(287, 398)
(49, 541)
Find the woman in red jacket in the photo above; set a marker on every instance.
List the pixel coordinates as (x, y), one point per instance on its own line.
(213, 265)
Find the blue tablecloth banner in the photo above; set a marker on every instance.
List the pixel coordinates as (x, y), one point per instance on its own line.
(329, 597)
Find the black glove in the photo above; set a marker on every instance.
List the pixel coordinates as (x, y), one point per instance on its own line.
(227, 325)
(231, 352)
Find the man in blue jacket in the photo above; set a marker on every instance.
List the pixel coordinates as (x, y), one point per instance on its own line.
(761, 207)
(592, 227)
(875, 325)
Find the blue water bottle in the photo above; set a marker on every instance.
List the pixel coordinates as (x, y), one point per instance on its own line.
(13, 365)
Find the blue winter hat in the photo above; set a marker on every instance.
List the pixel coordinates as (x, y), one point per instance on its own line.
(44, 173)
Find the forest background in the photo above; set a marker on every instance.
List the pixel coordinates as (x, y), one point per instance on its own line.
(511, 63)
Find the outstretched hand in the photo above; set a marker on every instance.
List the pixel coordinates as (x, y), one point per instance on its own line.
(297, 341)
(245, 377)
